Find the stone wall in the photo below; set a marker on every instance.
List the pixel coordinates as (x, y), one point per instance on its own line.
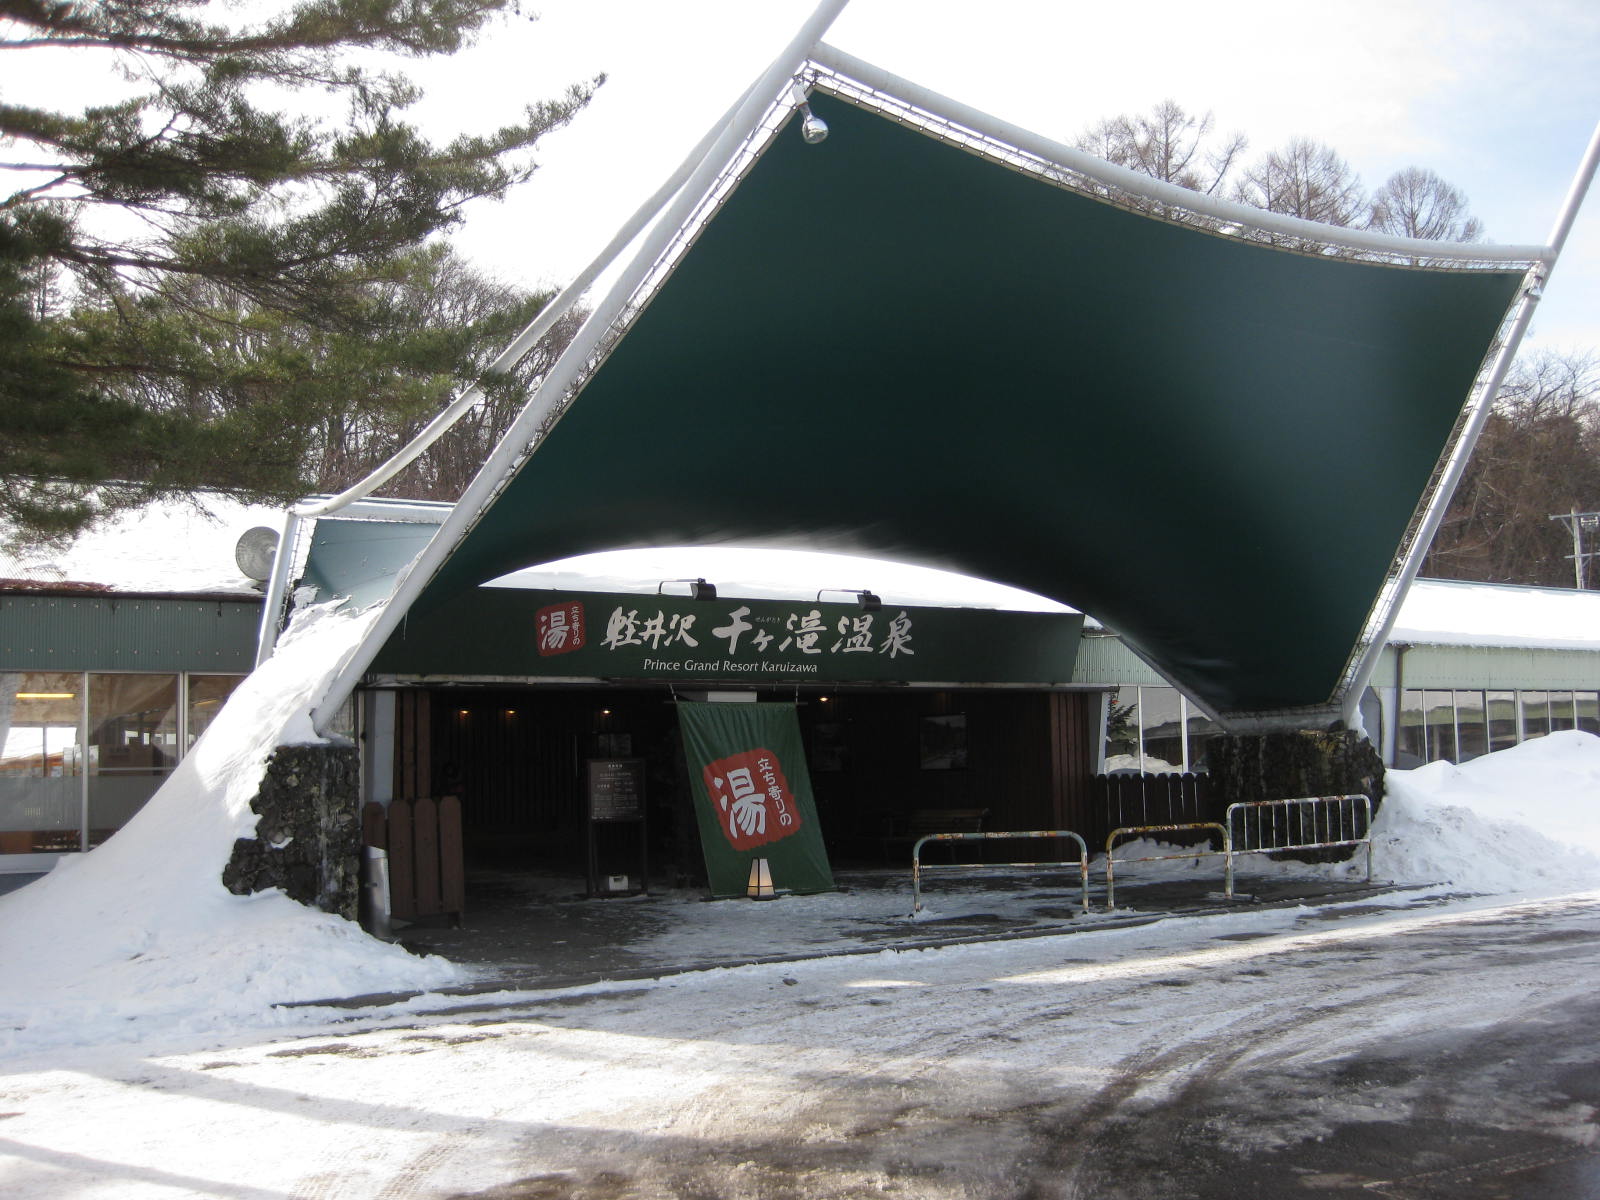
(308, 840)
(1288, 764)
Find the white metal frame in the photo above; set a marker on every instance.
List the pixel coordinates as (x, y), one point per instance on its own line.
(290, 559)
(672, 216)
(921, 106)
(1364, 662)
(770, 90)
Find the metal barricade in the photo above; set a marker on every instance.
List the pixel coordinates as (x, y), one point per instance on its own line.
(916, 858)
(1195, 826)
(1306, 823)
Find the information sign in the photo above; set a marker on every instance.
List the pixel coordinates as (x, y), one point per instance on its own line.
(616, 789)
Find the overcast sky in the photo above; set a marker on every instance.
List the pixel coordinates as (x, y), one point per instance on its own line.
(1500, 98)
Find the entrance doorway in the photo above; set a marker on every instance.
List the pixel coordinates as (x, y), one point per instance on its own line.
(517, 757)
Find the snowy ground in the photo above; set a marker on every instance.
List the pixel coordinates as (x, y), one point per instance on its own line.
(1438, 1043)
(1248, 1055)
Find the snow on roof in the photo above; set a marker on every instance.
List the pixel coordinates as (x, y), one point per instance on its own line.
(170, 547)
(1450, 613)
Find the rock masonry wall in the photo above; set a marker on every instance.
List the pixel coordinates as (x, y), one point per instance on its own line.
(308, 838)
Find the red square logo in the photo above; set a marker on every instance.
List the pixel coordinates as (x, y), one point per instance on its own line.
(752, 799)
(561, 629)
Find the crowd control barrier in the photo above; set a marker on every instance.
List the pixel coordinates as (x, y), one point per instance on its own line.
(1307, 823)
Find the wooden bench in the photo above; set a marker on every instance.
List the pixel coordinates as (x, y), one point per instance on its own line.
(905, 831)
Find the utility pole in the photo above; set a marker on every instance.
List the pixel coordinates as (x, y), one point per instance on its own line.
(1580, 523)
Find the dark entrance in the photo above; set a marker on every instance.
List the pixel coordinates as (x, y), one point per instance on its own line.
(517, 757)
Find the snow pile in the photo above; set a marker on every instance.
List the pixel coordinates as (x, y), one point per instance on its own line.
(1522, 820)
(140, 934)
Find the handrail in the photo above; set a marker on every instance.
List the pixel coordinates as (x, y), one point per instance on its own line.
(916, 858)
(1225, 853)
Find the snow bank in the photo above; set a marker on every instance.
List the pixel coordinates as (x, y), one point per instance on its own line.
(140, 934)
(1522, 820)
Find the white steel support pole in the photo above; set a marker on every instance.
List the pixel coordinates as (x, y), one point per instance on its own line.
(277, 588)
(519, 439)
(529, 337)
(1462, 451)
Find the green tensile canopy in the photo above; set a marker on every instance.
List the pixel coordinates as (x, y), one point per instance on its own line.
(890, 343)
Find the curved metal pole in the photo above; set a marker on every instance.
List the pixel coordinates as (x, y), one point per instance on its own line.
(516, 442)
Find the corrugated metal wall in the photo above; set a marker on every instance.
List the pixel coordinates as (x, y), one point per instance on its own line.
(127, 633)
(1494, 667)
(1103, 660)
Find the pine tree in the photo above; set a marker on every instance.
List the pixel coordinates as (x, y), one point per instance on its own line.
(146, 244)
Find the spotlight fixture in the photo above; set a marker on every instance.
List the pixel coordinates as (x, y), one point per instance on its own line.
(812, 127)
(699, 589)
(868, 601)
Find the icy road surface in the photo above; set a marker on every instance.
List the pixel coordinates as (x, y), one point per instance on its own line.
(1442, 1049)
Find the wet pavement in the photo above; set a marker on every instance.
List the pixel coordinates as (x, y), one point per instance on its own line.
(527, 930)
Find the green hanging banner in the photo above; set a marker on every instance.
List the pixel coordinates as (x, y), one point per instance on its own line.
(753, 800)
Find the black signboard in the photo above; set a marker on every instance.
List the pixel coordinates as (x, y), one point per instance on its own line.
(616, 789)
(619, 862)
(594, 635)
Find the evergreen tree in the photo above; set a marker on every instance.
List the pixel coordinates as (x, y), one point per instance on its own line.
(162, 256)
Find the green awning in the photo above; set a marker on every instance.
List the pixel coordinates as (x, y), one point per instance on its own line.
(890, 343)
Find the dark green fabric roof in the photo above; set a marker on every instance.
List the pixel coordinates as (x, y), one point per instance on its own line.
(1212, 446)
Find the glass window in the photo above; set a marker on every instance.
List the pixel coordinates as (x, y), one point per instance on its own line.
(133, 745)
(1588, 706)
(1535, 714)
(1411, 748)
(206, 696)
(1502, 720)
(1472, 731)
(41, 761)
(1561, 711)
(1440, 723)
(1161, 727)
(1201, 730)
(1122, 730)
